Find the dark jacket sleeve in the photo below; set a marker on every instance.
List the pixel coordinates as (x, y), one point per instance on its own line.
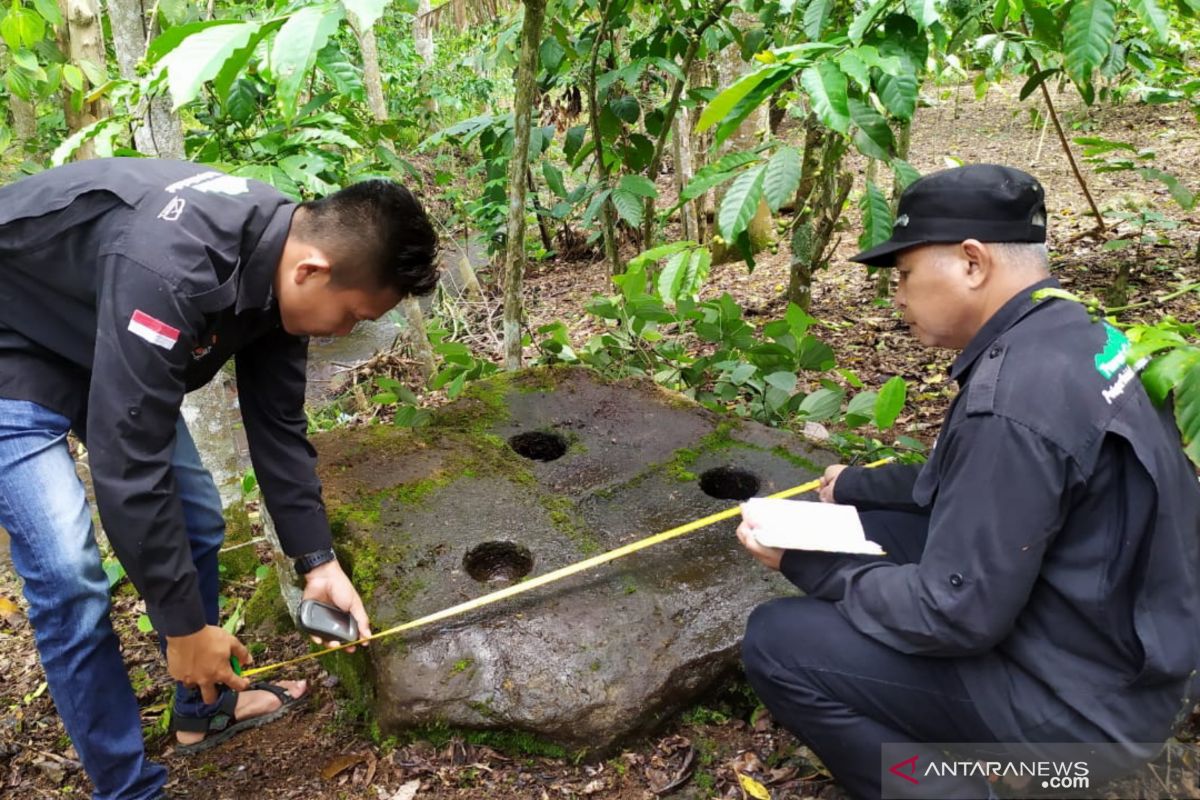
(271, 380)
(133, 406)
(1002, 497)
(889, 487)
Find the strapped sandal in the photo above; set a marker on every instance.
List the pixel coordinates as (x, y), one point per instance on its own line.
(223, 723)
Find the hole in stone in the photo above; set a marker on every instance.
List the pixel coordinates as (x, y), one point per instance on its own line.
(539, 446)
(729, 483)
(498, 562)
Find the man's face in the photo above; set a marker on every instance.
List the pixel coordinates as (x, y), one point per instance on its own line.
(311, 305)
(933, 292)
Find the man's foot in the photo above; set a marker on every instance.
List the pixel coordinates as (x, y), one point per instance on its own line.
(253, 707)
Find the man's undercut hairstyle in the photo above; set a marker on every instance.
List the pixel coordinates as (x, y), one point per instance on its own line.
(377, 235)
(1030, 255)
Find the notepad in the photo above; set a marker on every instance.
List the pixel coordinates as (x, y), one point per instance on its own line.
(806, 525)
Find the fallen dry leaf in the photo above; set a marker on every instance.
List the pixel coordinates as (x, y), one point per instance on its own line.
(408, 791)
(342, 763)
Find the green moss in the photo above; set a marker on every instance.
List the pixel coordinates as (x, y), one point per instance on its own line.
(795, 460)
(243, 561)
(512, 743)
(356, 688)
(461, 665)
(266, 612)
(562, 515)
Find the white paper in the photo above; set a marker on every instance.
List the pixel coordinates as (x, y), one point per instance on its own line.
(807, 525)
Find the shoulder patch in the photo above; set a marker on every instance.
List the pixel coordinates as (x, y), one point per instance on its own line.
(154, 331)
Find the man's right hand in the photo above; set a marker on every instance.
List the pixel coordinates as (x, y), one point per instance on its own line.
(201, 659)
(828, 480)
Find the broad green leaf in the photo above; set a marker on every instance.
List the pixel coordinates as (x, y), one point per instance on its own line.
(638, 185)
(816, 15)
(898, 94)
(73, 76)
(861, 409)
(199, 58)
(97, 131)
(21, 28)
(629, 206)
(1036, 80)
(1045, 25)
(925, 12)
(684, 274)
(876, 217)
(853, 65)
(890, 402)
(345, 76)
(783, 177)
(1087, 37)
(1096, 145)
(270, 175)
(554, 179)
(365, 12)
(875, 140)
(144, 624)
(551, 54)
(626, 109)
(858, 28)
(1179, 192)
(813, 354)
(242, 100)
(656, 254)
(821, 405)
(905, 173)
(826, 87)
(741, 202)
(1166, 371)
(113, 571)
(168, 40)
(797, 319)
(49, 11)
(295, 49)
(723, 103)
(1187, 408)
(715, 174)
(742, 373)
(1152, 14)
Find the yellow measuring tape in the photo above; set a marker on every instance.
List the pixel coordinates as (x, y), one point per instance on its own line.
(550, 577)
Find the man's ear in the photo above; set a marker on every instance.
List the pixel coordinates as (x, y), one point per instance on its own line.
(312, 264)
(979, 262)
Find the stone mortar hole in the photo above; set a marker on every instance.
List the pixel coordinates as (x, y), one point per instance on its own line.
(538, 445)
(729, 483)
(498, 562)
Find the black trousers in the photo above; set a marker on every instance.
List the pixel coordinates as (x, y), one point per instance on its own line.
(845, 694)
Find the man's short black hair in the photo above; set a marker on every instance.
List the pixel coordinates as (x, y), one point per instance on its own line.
(378, 235)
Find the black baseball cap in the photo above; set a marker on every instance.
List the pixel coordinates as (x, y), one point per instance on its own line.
(987, 202)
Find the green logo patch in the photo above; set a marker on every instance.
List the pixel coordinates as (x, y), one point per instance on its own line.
(1111, 359)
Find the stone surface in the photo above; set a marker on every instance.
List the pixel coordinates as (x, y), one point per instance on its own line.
(598, 656)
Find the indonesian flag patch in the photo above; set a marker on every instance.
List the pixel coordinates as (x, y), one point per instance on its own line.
(154, 331)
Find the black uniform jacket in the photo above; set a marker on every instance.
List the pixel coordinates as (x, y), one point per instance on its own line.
(125, 283)
(1064, 541)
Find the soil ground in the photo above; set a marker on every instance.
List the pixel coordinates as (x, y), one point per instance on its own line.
(323, 751)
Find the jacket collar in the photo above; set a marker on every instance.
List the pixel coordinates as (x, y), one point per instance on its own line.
(1017, 308)
(256, 285)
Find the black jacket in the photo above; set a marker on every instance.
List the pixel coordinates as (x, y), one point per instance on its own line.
(1064, 538)
(125, 283)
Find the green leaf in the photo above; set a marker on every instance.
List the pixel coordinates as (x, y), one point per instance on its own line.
(925, 12)
(270, 175)
(875, 140)
(898, 94)
(742, 373)
(741, 202)
(1035, 81)
(49, 11)
(113, 571)
(715, 174)
(295, 50)
(821, 405)
(365, 12)
(1187, 407)
(199, 58)
(684, 274)
(1151, 13)
(629, 206)
(904, 172)
(1166, 371)
(249, 482)
(1046, 28)
(722, 104)
(262, 572)
(637, 185)
(1179, 192)
(144, 624)
(656, 254)
(783, 177)
(853, 65)
(876, 217)
(73, 76)
(1087, 37)
(813, 354)
(861, 409)
(98, 130)
(551, 54)
(21, 28)
(890, 402)
(816, 15)
(346, 77)
(858, 27)
(554, 179)
(784, 381)
(626, 109)
(826, 87)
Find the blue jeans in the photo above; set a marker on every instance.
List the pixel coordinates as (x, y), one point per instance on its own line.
(45, 511)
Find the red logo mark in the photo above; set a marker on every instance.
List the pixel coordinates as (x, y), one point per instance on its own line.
(905, 769)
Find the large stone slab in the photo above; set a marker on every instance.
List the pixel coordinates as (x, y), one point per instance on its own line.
(431, 518)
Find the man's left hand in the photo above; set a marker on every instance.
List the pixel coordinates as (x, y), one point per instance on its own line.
(329, 584)
(767, 556)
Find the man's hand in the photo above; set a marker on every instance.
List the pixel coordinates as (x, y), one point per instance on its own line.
(329, 584)
(767, 556)
(201, 659)
(828, 480)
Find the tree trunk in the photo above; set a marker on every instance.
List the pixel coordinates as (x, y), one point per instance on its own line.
(423, 44)
(746, 137)
(607, 218)
(682, 144)
(699, 144)
(410, 307)
(826, 188)
(159, 134)
(83, 41)
(518, 169)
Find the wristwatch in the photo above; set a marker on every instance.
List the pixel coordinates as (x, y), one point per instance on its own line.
(310, 561)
